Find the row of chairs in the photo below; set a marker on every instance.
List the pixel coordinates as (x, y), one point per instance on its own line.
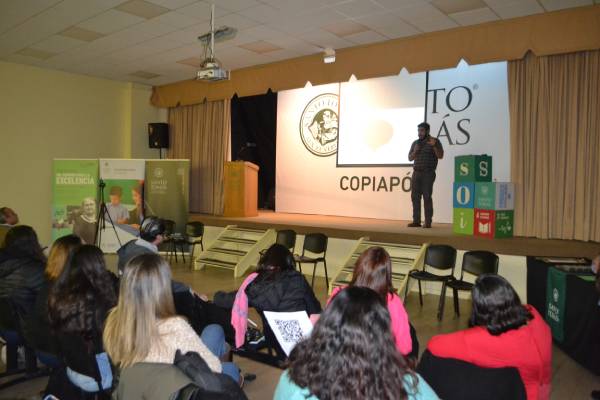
(443, 258)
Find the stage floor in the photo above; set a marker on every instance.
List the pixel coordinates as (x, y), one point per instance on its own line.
(395, 231)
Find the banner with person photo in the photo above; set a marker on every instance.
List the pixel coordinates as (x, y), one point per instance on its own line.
(167, 188)
(74, 198)
(123, 191)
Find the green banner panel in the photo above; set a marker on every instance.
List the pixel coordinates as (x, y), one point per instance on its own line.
(74, 198)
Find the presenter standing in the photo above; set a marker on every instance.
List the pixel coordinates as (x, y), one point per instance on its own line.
(425, 153)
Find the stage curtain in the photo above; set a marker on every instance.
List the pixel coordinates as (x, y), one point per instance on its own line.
(555, 145)
(551, 33)
(254, 120)
(202, 134)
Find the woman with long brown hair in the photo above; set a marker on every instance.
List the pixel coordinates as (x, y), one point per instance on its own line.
(351, 355)
(373, 269)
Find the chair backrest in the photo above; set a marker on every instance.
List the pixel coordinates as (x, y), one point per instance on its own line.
(169, 226)
(440, 256)
(315, 243)
(194, 229)
(479, 262)
(287, 238)
(456, 379)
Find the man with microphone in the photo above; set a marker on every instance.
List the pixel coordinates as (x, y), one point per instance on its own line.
(425, 153)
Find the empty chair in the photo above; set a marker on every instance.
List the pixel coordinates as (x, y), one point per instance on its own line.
(286, 238)
(438, 257)
(194, 233)
(475, 263)
(315, 243)
(171, 239)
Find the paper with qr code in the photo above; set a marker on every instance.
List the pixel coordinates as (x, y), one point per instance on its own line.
(289, 327)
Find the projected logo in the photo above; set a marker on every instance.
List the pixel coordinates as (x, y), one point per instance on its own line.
(319, 125)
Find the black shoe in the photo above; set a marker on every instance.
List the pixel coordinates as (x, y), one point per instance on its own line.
(414, 225)
(595, 394)
(427, 225)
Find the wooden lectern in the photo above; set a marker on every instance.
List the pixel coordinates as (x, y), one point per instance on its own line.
(241, 189)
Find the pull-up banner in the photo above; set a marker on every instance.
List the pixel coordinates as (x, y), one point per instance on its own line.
(342, 149)
(74, 192)
(123, 195)
(167, 190)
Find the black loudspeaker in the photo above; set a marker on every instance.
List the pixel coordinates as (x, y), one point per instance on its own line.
(158, 135)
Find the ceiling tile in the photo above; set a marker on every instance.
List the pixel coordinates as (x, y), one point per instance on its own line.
(16, 12)
(235, 21)
(345, 28)
(201, 11)
(366, 37)
(455, 6)
(395, 4)
(39, 54)
(86, 35)
(283, 54)
(173, 4)
(437, 24)
(20, 59)
(474, 17)
(260, 47)
(142, 9)
(514, 8)
(295, 6)
(177, 20)
(110, 21)
(380, 20)
(57, 44)
(324, 39)
(398, 30)
(358, 8)
(419, 11)
(262, 13)
(553, 5)
(191, 61)
(144, 74)
(236, 5)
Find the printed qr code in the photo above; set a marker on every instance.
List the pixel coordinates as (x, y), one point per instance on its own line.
(290, 330)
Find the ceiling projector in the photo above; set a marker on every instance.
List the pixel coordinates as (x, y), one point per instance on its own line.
(210, 69)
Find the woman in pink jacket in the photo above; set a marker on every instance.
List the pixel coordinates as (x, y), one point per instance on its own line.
(373, 269)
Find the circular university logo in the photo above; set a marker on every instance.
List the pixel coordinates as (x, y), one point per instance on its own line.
(159, 173)
(319, 125)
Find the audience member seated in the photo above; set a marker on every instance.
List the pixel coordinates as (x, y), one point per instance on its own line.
(143, 327)
(21, 267)
(504, 333)
(275, 286)
(37, 326)
(373, 269)
(151, 236)
(351, 354)
(78, 304)
(8, 219)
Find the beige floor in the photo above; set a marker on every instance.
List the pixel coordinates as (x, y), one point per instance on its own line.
(570, 381)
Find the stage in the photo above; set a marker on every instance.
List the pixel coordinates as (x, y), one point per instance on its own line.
(395, 231)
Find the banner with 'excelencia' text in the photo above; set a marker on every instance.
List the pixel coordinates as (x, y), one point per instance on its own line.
(74, 194)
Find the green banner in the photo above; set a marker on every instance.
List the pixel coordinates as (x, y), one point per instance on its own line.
(166, 192)
(556, 288)
(74, 198)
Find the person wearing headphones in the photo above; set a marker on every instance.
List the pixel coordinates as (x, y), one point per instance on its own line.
(152, 232)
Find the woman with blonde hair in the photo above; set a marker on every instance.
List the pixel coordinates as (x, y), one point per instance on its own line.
(144, 327)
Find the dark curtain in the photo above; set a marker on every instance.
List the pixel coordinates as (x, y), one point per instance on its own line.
(253, 127)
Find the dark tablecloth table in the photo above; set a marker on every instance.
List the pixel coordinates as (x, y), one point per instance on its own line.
(582, 313)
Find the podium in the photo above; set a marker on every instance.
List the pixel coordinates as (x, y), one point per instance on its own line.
(241, 189)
